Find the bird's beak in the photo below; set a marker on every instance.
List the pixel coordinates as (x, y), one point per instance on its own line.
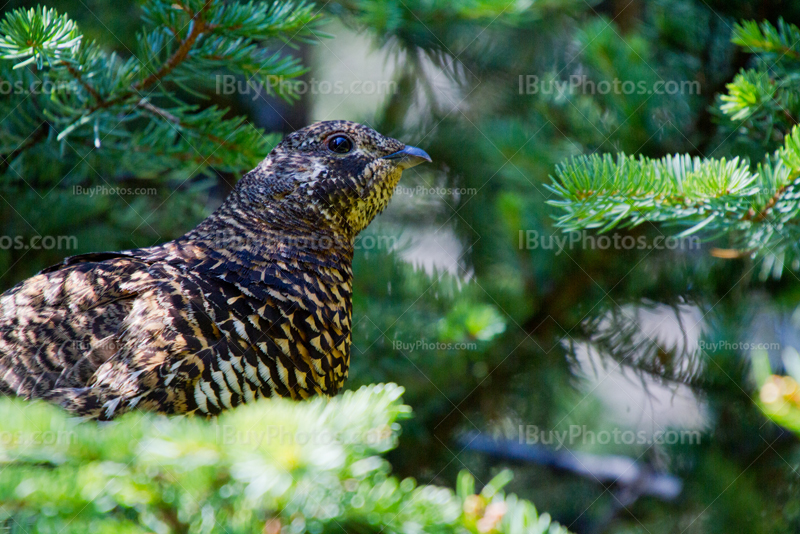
(409, 157)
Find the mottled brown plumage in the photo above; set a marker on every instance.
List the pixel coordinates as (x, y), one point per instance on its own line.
(254, 302)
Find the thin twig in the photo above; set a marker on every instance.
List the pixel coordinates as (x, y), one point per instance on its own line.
(761, 214)
(180, 54)
(163, 113)
(78, 76)
(38, 134)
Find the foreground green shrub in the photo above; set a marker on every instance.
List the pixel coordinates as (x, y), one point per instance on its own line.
(274, 466)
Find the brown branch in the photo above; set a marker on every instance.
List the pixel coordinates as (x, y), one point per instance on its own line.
(788, 116)
(758, 216)
(183, 50)
(785, 50)
(78, 76)
(38, 134)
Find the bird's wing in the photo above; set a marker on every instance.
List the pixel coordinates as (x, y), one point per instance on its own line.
(90, 257)
(59, 326)
(102, 334)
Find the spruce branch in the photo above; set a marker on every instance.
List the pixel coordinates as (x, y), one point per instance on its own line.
(759, 208)
(97, 98)
(602, 192)
(718, 196)
(37, 35)
(780, 42)
(765, 100)
(197, 27)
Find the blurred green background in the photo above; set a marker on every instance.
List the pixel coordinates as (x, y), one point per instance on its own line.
(459, 296)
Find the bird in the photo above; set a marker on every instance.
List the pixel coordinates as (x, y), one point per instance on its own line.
(254, 302)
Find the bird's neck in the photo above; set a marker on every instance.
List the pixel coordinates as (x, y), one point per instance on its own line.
(266, 231)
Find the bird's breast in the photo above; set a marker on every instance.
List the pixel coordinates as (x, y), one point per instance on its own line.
(297, 321)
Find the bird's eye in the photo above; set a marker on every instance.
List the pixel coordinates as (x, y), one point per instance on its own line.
(341, 144)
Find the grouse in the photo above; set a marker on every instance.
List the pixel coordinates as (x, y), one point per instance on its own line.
(253, 302)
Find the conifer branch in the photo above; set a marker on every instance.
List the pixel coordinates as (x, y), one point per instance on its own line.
(198, 26)
(37, 136)
(98, 95)
(759, 208)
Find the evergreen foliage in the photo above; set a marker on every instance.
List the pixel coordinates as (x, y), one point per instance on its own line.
(273, 466)
(757, 205)
(80, 98)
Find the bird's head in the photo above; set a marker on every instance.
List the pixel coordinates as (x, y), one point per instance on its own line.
(337, 173)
